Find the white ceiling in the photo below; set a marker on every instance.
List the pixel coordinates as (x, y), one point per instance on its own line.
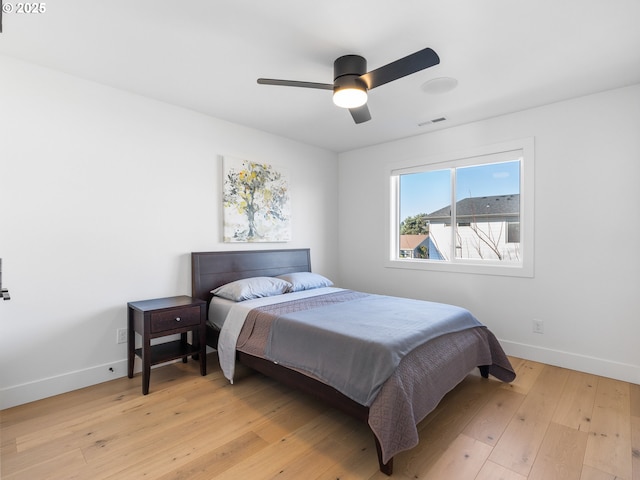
(206, 55)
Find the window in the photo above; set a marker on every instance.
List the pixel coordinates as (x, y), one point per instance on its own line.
(469, 211)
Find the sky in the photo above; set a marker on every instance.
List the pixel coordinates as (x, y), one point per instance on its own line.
(427, 192)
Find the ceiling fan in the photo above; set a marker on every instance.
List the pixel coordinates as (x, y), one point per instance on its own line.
(351, 81)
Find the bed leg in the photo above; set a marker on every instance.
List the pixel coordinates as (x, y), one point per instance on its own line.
(386, 468)
(484, 371)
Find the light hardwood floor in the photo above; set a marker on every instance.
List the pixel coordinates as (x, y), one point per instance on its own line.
(551, 423)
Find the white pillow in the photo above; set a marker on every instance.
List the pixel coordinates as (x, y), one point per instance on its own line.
(253, 287)
(305, 281)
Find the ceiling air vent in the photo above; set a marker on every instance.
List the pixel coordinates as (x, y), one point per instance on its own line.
(433, 121)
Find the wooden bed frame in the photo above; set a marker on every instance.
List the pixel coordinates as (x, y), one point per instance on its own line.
(212, 269)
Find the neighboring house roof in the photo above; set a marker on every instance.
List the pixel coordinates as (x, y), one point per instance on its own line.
(489, 206)
(411, 242)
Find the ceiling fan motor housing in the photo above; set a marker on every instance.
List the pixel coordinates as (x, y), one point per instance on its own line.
(347, 71)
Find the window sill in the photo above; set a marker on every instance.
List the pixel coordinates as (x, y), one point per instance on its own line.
(520, 270)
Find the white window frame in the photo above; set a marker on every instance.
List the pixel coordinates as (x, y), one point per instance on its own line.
(475, 156)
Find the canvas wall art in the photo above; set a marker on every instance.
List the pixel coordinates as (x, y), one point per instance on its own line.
(256, 202)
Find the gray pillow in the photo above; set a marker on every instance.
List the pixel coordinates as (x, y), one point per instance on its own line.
(254, 287)
(305, 281)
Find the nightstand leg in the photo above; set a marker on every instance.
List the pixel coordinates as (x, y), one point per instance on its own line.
(130, 343)
(183, 339)
(200, 341)
(146, 366)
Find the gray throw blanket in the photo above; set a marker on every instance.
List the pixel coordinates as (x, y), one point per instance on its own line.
(356, 345)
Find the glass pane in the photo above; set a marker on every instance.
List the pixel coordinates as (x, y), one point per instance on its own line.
(487, 212)
(422, 194)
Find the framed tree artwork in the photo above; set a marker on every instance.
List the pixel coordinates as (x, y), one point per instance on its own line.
(256, 202)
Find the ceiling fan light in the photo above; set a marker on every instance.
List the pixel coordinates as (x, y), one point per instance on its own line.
(349, 97)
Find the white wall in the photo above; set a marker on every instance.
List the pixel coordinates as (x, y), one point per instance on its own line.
(103, 195)
(587, 231)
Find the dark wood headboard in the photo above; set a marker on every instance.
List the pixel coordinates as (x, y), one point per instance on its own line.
(212, 269)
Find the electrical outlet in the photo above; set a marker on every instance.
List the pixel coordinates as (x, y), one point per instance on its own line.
(538, 326)
(121, 335)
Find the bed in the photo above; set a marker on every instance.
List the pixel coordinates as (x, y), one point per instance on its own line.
(392, 406)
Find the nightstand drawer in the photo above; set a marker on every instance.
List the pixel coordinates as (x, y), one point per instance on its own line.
(172, 319)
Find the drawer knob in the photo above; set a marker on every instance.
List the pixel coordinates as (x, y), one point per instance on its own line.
(177, 319)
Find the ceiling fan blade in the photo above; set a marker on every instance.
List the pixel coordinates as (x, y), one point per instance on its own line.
(401, 68)
(295, 83)
(360, 114)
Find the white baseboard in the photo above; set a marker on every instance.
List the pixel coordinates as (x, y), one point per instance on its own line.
(48, 387)
(67, 382)
(582, 363)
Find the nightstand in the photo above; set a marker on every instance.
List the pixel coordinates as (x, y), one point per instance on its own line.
(161, 317)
